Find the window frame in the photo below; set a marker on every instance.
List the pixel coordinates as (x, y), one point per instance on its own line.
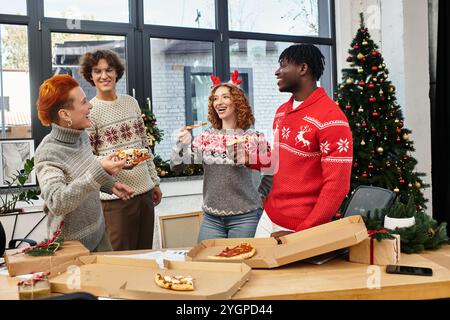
(138, 48)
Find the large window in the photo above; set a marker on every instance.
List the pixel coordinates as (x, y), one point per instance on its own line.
(262, 58)
(173, 61)
(17, 7)
(288, 17)
(98, 10)
(15, 117)
(180, 13)
(170, 49)
(68, 48)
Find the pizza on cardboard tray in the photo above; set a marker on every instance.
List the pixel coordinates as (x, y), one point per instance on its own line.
(242, 251)
(177, 283)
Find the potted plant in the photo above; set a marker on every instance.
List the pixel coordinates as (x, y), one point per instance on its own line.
(16, 190)
(400, 215)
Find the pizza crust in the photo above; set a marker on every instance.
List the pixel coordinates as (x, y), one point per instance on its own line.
(177, 283)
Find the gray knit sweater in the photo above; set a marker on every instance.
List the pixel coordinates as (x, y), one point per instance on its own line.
(228, 189)
(70, 178)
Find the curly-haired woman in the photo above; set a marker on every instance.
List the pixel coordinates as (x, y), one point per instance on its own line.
(231, 201)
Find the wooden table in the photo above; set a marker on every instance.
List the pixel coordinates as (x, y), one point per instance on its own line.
(337, 279)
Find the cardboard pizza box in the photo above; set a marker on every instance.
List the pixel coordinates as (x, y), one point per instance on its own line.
(20, 263)
(297, 246)
(128, 278)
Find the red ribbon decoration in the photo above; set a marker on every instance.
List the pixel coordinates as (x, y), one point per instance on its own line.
(372, 233)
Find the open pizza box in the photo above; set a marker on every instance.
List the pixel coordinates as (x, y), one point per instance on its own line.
(297, 246)
(127, 278)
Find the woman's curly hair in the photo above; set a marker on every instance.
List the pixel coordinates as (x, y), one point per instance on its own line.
(244, 115)
(91, 59)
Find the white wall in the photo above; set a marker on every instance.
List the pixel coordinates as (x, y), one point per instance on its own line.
(400, 29)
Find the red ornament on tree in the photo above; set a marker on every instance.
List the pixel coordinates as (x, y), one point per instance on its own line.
(362, 83)
(364, 124)
(364, 175)
(373, 130)
(374, 53)
(371, 85)
(375, 114)
(356, 47)
(374, 68)
(372, 99)
(370, 166)
(355, 165)
(402, 181)
(348, 107)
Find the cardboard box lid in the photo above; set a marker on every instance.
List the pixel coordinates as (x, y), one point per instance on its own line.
(301, 245)
(21, 263)
(127, 278)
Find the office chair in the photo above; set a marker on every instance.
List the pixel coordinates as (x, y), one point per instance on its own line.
(12, 243)
(368, 199)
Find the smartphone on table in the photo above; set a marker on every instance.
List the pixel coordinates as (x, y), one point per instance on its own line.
(410, 270)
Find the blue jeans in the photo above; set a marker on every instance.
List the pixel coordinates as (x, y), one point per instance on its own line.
(239, 226)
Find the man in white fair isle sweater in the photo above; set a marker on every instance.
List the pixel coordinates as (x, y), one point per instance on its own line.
(117, 124)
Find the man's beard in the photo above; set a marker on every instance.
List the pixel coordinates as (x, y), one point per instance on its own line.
(290, 87)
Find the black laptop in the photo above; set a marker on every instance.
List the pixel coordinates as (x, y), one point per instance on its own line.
(364, 199)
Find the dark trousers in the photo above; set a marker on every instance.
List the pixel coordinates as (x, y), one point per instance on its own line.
(130, 223)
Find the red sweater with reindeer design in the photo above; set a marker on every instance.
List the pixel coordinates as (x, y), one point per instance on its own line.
(314, 151)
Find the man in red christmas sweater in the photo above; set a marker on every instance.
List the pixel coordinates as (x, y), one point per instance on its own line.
(314, 145)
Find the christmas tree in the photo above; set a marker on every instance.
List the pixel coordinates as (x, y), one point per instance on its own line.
(382, 148)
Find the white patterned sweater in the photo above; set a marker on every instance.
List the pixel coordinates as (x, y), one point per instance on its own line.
(229, 189)
(118, 125)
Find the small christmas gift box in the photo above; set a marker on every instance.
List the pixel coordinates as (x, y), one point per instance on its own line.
(381, 248)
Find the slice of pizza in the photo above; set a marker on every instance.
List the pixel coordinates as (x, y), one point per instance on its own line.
(178, 283)
(196, 125)
(241, 139)
(242, 251)
(134, 156)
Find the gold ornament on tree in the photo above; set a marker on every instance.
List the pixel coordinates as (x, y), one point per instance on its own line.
(360, 56)
(396, 190)
(418, 185)
(349, 81)
(380, 150)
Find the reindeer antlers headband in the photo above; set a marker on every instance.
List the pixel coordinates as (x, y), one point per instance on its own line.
(234, 79)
